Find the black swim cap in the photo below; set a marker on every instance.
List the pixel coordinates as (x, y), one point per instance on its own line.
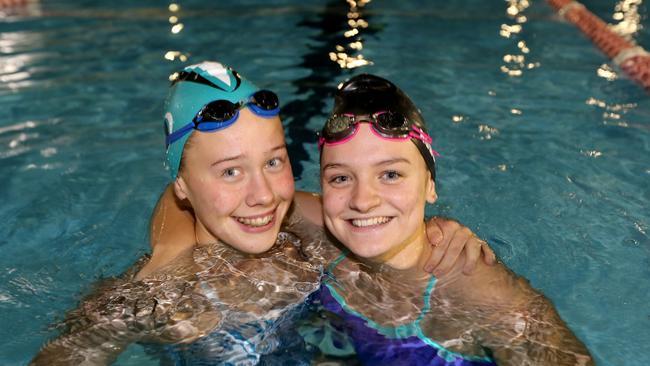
(366, 94)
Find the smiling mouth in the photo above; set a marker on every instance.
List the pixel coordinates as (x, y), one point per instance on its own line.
(373, 221)
(255, 221)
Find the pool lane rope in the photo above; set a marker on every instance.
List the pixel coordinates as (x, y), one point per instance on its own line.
(629, 57)
(12, 3)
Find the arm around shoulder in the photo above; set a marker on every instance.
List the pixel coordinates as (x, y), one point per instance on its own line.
(309, 206)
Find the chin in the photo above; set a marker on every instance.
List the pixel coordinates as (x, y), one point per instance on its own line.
(262, 242)
(362, 251)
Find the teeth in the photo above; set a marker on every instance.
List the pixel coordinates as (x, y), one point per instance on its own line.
(371, 221)
(259, 221)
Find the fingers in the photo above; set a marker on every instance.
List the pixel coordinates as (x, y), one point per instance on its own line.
(436, 255)
(450, 240)
(473, 249)
(439, 232)
(434, 232)
(456, 246)
(488, 254)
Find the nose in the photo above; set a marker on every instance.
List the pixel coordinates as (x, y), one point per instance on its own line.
(364, 197)
(260, 192)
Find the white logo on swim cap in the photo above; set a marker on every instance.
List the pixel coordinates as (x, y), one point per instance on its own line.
(169, 124)
(215, 69)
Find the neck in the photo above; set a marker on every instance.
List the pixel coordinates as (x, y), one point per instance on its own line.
(409, 255)
(202, 235)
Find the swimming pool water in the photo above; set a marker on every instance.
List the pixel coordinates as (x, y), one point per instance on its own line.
(545, 146)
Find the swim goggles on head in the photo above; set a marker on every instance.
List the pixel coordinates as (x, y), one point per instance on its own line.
(221, 113)
(339, 128)
(387, 125)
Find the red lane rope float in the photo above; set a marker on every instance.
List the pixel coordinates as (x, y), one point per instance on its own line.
(12, 3)
(632, 59)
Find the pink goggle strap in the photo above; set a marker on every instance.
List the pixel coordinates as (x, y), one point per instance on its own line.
(416, 133)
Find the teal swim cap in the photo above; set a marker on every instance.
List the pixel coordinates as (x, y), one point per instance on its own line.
(191, 89)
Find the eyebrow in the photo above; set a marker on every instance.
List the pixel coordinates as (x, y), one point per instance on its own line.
(279, 147)
(230, 158)
(380, 163)
(235, 157)
(393, 161)
(332, 166)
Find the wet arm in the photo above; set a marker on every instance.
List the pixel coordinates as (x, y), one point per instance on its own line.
(95, 346)
(309, 206)
(450, 239)
(91, 338)
(124, 311)
(541, 338)
(306, 220)
(521, 326)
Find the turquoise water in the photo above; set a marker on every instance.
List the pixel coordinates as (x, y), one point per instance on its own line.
(545, 153)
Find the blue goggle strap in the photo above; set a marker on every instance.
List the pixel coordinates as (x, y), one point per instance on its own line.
(176, 135)
(263, 112)
(214, 126)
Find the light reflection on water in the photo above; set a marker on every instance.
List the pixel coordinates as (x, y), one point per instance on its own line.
(548, 163)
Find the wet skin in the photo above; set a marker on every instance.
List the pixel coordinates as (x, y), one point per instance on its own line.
(374, 195)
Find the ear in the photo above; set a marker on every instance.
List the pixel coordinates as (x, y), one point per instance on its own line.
(430, 191)
(180, 188)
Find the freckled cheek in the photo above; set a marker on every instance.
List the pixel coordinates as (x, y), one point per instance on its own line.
(334, 203)
(221, 198)
(407, 203)
(226, 204)
(284, 185)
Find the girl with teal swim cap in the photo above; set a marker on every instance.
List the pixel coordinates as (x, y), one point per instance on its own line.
(376, 181)
(235, 295)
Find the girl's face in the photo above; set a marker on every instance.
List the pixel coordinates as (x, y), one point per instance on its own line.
(239, 182)
(374, 193)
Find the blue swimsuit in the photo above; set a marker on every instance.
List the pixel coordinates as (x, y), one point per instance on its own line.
(402, 345)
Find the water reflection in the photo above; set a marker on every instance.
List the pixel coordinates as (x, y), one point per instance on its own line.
(176, 27)
(16, 63)
(173, 19)
(516, 63)
(334, 22)
(626, 12)
(344, 55)
(614, 113)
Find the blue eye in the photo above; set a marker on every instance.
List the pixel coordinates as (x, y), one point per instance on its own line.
(230, 173)
(391, 175)
(339, 179)
(274, 163)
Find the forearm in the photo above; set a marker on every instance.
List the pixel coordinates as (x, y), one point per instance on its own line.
(98, 345)
(517, 323)
(96, 331)
(123, 311)
(538, 336)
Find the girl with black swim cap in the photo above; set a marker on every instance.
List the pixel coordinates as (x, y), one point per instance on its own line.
(377, 174)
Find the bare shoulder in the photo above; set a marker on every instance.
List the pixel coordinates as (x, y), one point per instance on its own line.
(487, 284)
(172, 222)
(164, 255)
